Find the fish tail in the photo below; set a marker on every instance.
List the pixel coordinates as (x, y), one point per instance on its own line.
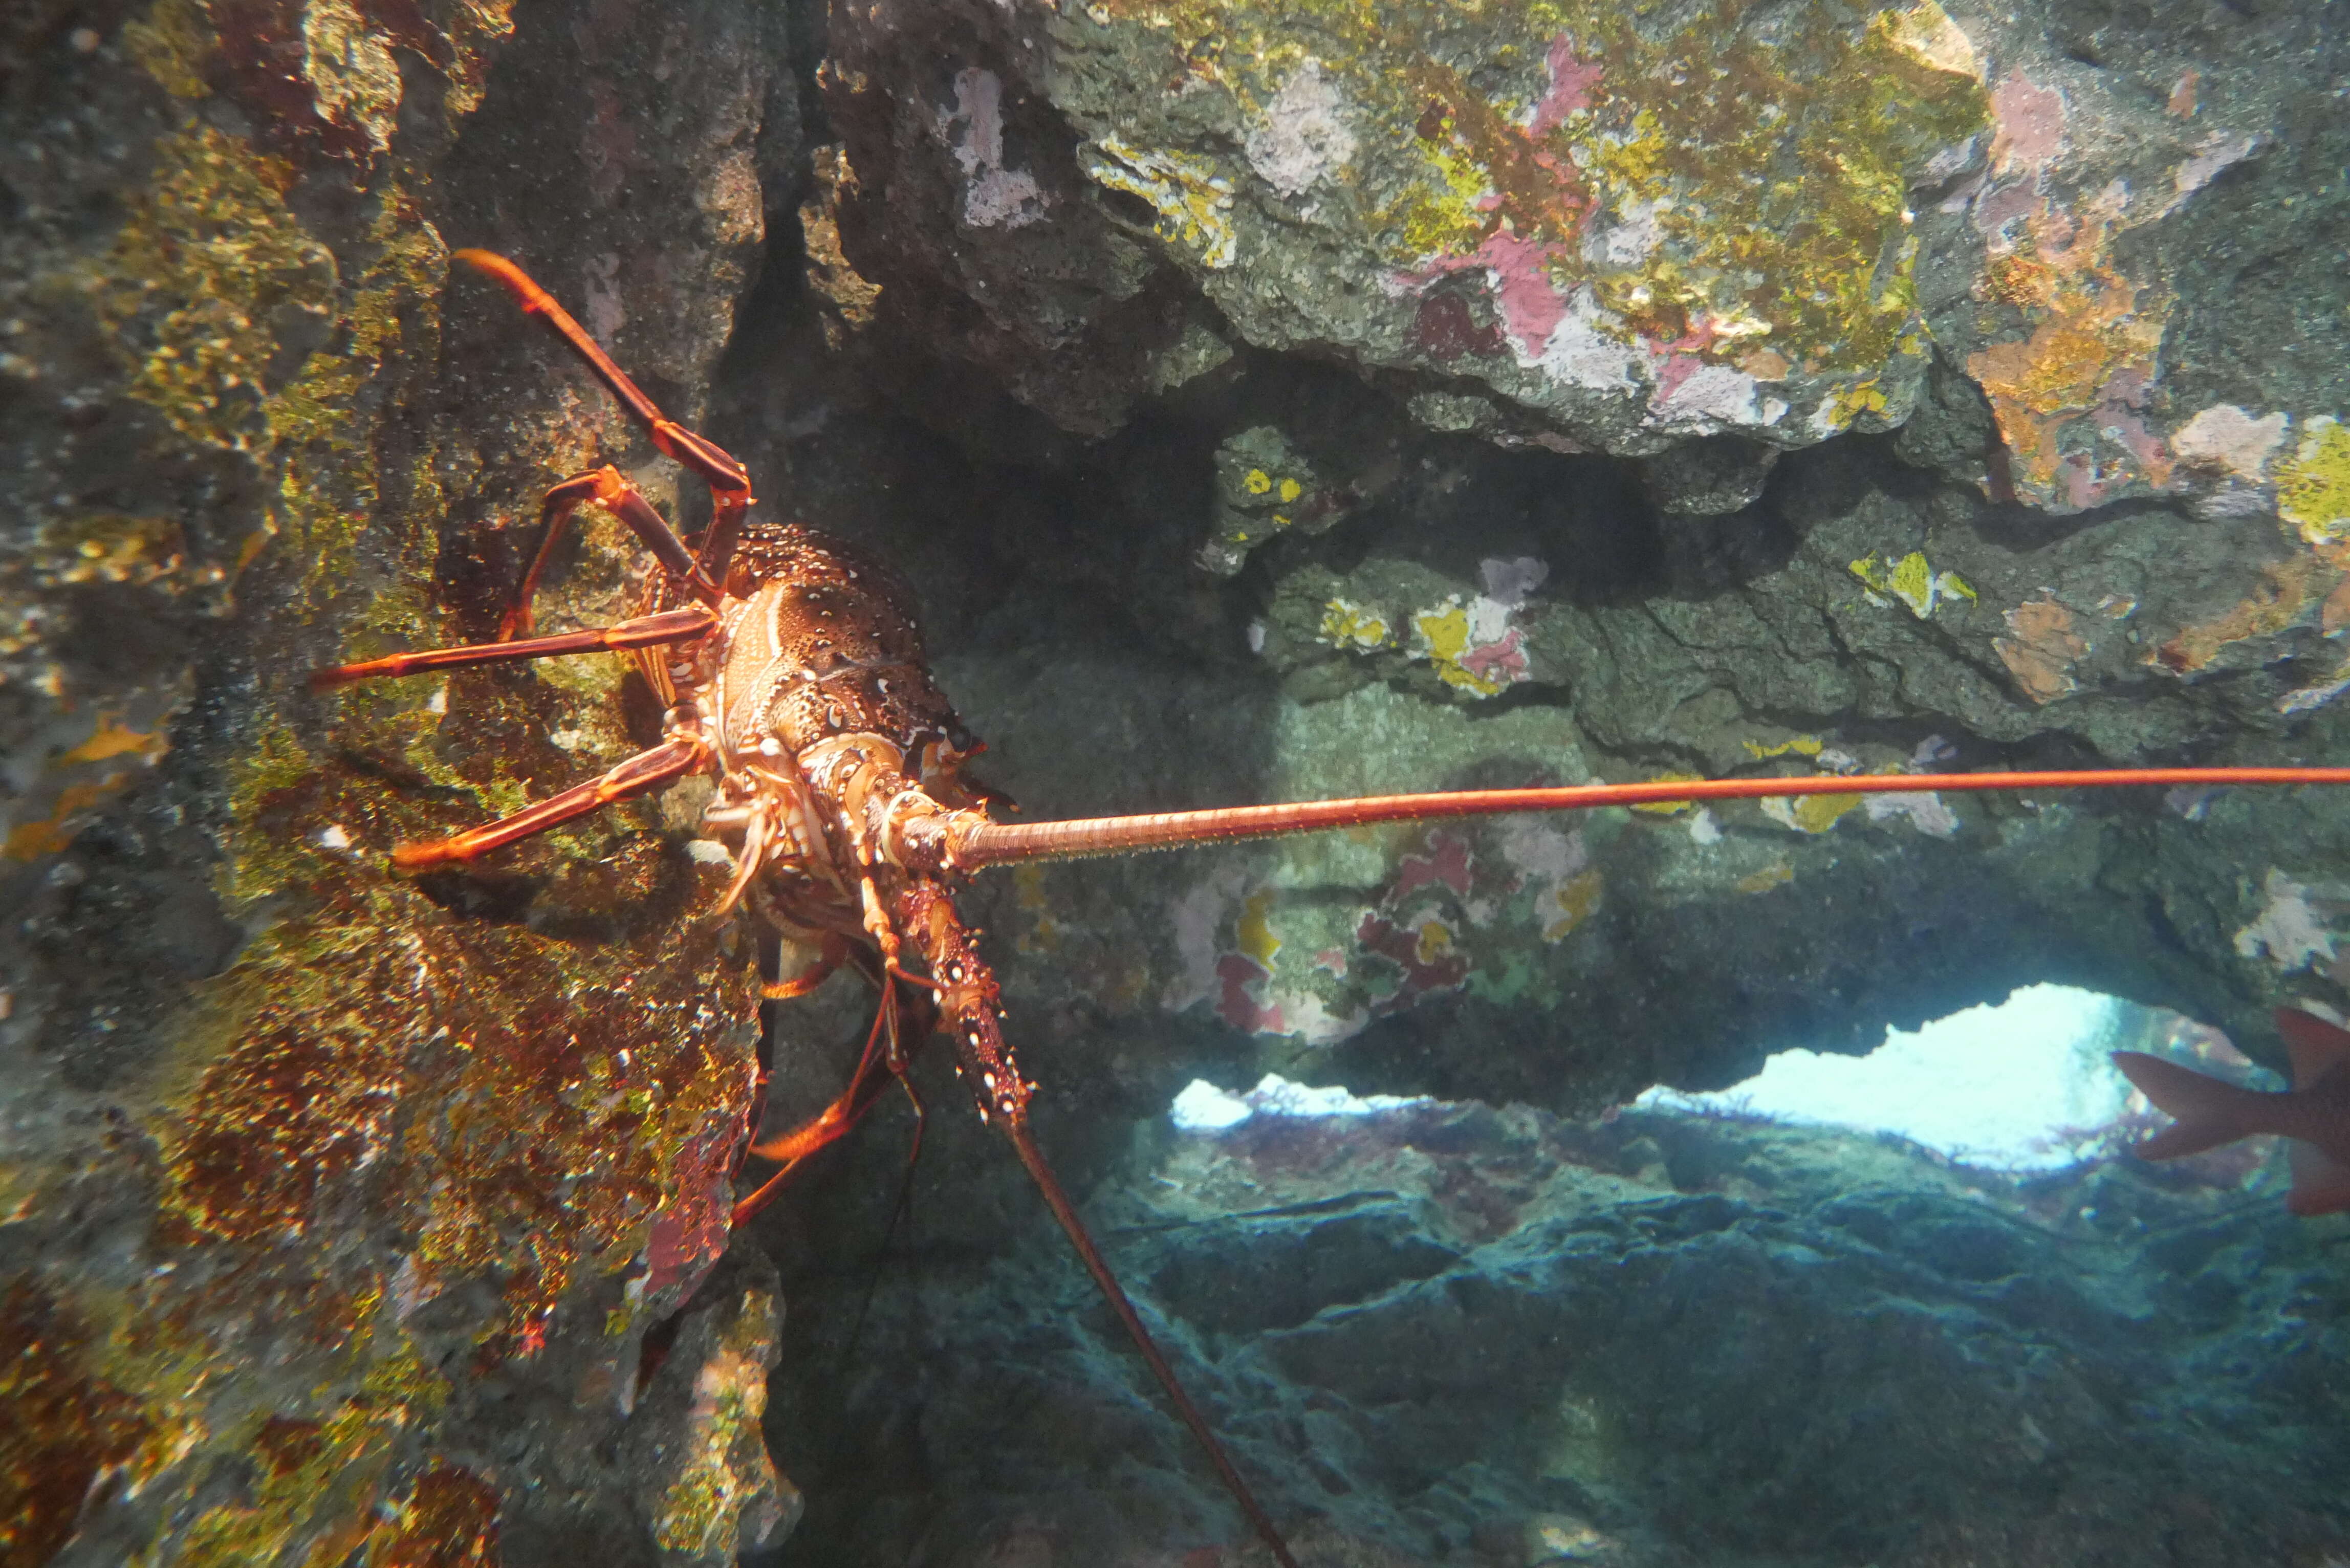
(2321, 1184)
(2210, 1113)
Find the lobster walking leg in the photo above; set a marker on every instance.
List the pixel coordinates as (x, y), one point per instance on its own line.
(967, 1013)
(644, 632)
(882, 1063)
(609, 488)
(729, 486)
(645, 771)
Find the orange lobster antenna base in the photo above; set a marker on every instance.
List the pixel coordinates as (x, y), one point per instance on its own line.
(998, 844)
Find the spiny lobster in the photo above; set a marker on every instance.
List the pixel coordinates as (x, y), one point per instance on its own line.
(793, 677)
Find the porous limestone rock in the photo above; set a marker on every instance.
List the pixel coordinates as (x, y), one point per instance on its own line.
(1631, 230)
(338, 1208)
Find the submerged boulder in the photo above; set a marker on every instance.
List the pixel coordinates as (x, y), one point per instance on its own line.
(1449, 1334)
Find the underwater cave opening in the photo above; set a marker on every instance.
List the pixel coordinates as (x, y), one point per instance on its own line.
(2020, 1086)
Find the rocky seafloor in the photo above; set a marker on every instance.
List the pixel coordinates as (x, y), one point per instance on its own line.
(1269, 399)
(1451, 1335)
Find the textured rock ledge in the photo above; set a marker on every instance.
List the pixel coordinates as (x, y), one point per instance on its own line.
(1483, 1339)
(338, 1208)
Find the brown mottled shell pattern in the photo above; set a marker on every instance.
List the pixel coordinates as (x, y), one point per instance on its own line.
(823, 642)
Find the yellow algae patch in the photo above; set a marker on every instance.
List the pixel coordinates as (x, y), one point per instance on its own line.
(2313, 484)
(105, 547)
(319, 1478)
(1926, 31)
(1345, 624)
(1435, 941)
(726, 1465)
(2092, 347)
(1846, 404)
(449, 1520)
(850, 298)
(2285, 590)
(1258, 481)
(1777, 875)
(113, 738)
(1912, 580)
(1446, 634)
(1809, 813)
(1194, 203)
(2042, 382)
(1474, 647)
(350, 71)
(1446, 215)
(1254, 928)
(173, 44)
(1576, 899)
(32, 840)
(208, 257)
(1801, 746)
(1670, 807)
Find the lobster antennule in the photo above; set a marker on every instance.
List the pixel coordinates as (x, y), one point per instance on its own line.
(973, 845)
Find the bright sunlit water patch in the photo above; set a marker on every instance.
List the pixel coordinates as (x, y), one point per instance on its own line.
(1203, 1107)
(2022, 1086)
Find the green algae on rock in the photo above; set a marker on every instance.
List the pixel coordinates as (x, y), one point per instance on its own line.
(324, 1168)
(1639, 229)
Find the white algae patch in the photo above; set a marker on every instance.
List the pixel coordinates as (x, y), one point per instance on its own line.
(2227, 437)
(1712, 396)
(1924, 808)
(993, 196)
(2290, 933)
(1302, 138)
(1580, 352)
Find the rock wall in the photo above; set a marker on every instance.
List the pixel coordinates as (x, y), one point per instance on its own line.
(337, 1207)
(1271, 400)
(1273, 330)
(1294, 401)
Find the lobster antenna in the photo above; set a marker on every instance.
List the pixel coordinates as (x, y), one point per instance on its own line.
(1112, 1291)
(997, 844)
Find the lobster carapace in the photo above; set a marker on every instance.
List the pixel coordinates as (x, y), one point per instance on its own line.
(794, 679)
